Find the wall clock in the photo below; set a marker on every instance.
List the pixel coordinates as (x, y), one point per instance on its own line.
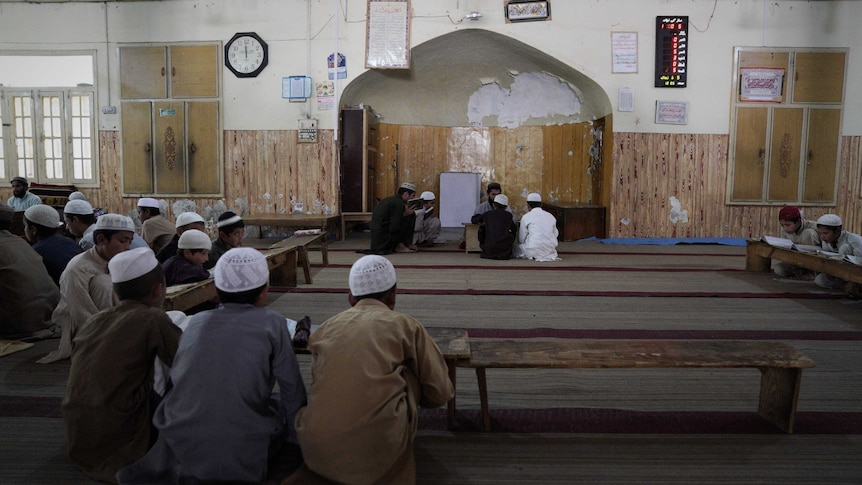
(246, 54)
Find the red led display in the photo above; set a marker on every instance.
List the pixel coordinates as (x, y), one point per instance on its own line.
(671, 51)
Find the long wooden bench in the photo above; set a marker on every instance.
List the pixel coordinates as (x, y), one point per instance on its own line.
(779, 363)
(759, 256)
(326, 222)
(302, 244)
(282, 272)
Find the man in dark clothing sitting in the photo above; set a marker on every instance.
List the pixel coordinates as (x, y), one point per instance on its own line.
(497, 230)
(392, 223)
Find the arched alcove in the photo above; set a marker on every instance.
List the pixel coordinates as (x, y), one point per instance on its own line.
(447, 71)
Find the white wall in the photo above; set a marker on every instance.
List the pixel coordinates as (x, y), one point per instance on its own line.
(301, 33)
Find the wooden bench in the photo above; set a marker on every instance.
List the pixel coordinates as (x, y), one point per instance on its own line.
(282, 272)
(759, 256)
(779, 363)
(471, 238)
(326, 222)
(302, 244)
(347, 217)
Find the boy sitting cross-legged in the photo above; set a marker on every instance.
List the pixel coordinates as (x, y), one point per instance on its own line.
(109, 402)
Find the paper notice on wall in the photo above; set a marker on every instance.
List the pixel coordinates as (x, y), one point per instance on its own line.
(325, 91)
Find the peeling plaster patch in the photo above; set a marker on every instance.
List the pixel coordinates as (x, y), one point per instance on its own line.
(487, 80)
(280, 196)
(625, 221)
(571, 153)
(296, 204)
(267, 196)
(531, 95)
(676, 212)
(184, 205)
(241, 206)
(519, 163)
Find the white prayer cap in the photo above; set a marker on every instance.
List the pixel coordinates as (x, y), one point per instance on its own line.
(115, 222)
(371, 274)
(409, 186)
(829, 220)
(426, 196)
(241, 269)
(148, 202)
(187, 218)
(502, 200)
(77, 196)
(78, 207)
(44, 215)
(533, 197)
(131, 264)
(194, 239)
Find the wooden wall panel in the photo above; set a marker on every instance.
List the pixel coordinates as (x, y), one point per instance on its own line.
(650, 168)
(647, 169)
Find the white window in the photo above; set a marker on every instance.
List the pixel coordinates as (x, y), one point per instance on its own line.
(47, 119)
(49, 136)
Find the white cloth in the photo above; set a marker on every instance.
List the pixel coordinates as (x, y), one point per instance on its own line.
(537, 236)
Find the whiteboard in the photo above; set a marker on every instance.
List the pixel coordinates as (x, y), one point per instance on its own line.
(460, 193)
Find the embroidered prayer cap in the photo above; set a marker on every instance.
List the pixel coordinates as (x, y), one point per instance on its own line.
(409, 186)
(148, 202)
(19, 179)
(829, 220)
(228, 218)
(131, 264)
(371, 274)
(194, 239)
(115, 222)
(78, 207)
(501, 199)
(426, 196)
(789, 213)
(77, 196)
(533, 197)
(6, 212)
(241, 269)
(44, 215)
(187, 218)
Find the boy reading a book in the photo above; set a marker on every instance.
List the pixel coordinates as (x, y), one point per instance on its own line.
(803, 233)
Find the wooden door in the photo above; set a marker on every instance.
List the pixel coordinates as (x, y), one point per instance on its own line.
(358, 155)
(819, 77)
(749, 153)
(143, 73)
(785, 151)
(194, 71)
(822, 155)
(203, 147)
(170, 152)
(137, 147)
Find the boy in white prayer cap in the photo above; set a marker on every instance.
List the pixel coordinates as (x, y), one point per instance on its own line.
(156, 230)
(834, 238)
(185, 221)
(427, 226)
(85, 286)
(109, 402)
(187, 264)
(372, 367)
(538, 233)
(221, 419)
(41, 223)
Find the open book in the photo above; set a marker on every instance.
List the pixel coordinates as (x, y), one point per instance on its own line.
(780, 242)
(853, 259)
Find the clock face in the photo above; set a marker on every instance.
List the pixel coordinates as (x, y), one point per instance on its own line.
(246, 54)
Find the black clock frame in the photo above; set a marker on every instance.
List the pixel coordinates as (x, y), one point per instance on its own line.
(262, 64)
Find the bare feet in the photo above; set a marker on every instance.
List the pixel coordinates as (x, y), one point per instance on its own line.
(401, 248)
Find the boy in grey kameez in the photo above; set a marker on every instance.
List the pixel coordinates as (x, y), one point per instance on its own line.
(221, 419)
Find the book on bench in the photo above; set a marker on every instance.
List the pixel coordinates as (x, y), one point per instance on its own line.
(780, 242)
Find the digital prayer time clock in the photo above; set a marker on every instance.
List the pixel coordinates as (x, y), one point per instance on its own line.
(671, 51)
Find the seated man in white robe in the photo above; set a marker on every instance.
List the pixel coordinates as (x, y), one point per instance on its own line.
(537, 236)
(427, 227)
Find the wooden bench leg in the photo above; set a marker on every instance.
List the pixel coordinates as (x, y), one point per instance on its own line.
(284, 274)
(450, 407)
(324, 250)
(483, 398)
(303, 260)
(755, 262)
(779, 391)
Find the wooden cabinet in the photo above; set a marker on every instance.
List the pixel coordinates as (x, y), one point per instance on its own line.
(785, 146)
(170, 116)
(577, 221)
(169, 72)
(169, 147)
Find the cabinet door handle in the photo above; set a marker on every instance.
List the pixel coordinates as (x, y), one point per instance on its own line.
(761, 156)
(163, 71)
(148, 147)
(173, 71)
(810, 156)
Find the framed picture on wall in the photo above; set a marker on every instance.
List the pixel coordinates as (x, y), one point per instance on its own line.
(761, 84)
(527, 10)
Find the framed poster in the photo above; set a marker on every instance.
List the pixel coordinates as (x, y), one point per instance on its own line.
(671, 112)
(624, 52)
(387, 35)
(761, 84)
